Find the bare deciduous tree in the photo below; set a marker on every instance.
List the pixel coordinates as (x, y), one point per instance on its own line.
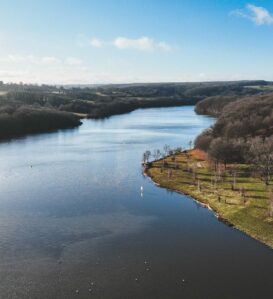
(146, 157)
(261, 155)
(166, 149)
(156, 154)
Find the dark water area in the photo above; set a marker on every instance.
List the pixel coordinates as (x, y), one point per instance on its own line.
(73, 222)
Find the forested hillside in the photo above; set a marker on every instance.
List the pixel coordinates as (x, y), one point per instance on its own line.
(32, 108)
(243, 133)
(214, 105)
(17, 121)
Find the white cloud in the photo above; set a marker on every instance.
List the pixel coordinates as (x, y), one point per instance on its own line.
(164, 46)
(48, 60)
(238, 13)
(36, 60)
(15, 59)
(96, 43)
(142, 44)
(40, 69)
(257, 14)
(260, 15)
(73, 61)
(14, 74)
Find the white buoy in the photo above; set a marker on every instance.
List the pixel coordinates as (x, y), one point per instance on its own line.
(141, 188)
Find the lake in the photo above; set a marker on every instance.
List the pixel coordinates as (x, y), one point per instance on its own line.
(74, 224)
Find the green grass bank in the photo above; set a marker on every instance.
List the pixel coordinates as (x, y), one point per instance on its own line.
(233, 192)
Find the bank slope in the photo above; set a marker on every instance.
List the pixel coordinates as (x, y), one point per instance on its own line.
(242, 202)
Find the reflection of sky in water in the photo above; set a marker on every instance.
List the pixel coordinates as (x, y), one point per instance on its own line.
(111, 142)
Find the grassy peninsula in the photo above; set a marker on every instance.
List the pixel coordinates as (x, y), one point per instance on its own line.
(233, 193)
(231, 167)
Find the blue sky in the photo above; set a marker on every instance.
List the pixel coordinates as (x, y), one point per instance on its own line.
(112, 41)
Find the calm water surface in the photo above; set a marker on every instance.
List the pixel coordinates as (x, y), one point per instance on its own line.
(76, 220)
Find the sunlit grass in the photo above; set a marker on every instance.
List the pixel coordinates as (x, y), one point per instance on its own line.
(248, 212)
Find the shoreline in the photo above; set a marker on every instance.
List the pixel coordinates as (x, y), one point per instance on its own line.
(25, 131)
(202, 201)
(204, 205)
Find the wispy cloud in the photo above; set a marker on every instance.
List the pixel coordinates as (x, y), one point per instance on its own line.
(48, 60)
(257, 14)
(97, 43)
(124, 43)
(31, 59)
(39, 60)
(32, 68)
(73, 61)
(142, 44)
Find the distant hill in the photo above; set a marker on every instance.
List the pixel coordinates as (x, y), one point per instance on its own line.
(99, 101)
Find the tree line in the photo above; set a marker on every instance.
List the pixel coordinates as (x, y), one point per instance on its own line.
(60, 106)
(17, 121)
(243, 133)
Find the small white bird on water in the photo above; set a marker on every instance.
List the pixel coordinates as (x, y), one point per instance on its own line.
(141, 188)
